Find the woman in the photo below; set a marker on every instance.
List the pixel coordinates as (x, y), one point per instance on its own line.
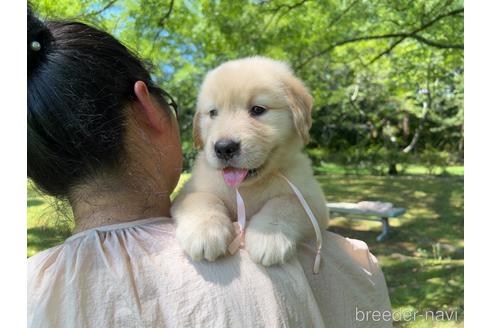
(103, 136)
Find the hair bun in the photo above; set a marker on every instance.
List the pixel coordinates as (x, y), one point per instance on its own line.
(38, 41)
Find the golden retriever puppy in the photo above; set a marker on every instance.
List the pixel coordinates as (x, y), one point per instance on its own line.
(252, 120)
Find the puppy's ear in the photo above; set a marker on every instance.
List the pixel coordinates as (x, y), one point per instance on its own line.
(197, 138)
(301, 103)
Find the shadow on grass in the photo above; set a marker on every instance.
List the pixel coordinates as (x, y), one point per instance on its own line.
(41, 238)
(426, 284)
(434, 211)
(423, 259)
(34, 202)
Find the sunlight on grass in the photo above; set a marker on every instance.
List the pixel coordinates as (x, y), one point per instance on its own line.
(423, 260)
(182, 179)
(49, 222)
(410, 169)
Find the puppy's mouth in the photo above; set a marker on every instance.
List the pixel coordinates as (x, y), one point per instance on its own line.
(253, 172)
(234, 176)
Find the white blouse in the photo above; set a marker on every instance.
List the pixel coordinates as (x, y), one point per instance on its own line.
(135, 275)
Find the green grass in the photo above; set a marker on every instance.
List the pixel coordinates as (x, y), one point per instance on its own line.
(423, 261)
(48, 222)
(408, 169)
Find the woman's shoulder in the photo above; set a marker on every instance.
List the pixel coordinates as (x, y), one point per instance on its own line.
(103, 241)
(42, 257)
(143, 268)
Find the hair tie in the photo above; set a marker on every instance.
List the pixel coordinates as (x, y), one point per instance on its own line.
(35, 46)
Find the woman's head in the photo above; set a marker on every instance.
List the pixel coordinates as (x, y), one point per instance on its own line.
(88, 99)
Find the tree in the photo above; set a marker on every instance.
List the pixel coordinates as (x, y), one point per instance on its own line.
(364, 61)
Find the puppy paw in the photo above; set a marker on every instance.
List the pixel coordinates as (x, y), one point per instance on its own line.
(207, 239)
(269, 248)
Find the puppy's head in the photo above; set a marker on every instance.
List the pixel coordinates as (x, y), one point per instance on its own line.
(250, 113)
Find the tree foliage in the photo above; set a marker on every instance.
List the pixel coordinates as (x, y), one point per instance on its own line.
(387, 76)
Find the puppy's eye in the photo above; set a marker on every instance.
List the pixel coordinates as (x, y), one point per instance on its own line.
(257, 110)
(213, 113)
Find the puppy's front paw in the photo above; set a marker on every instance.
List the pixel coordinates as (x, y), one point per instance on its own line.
(269, 248)
(205, 238)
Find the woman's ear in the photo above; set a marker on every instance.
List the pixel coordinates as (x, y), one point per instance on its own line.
(301, 103)
(197, 138)
(152, 114)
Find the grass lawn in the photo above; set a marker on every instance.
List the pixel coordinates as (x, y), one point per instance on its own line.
(423, 261)
(48, 222)
(409, 169)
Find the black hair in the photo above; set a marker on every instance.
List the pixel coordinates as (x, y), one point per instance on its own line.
(79, 83)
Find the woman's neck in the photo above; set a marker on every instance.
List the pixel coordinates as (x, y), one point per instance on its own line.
(104, 206)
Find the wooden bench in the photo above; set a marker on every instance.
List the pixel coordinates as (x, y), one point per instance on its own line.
(383, 211)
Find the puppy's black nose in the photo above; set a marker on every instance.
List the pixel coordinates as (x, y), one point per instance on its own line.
(226, 148)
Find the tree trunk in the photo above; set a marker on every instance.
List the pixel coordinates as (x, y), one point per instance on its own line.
(418, 131)
(392, 169)
(461, 146)
(406, 126)
(425, 112)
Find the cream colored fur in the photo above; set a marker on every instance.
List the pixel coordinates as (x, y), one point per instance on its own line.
(206, 207)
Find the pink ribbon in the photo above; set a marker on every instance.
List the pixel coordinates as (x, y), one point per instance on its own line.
(241, 222)
(238, 241)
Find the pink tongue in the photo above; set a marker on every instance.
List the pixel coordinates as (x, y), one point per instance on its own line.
(233, 177)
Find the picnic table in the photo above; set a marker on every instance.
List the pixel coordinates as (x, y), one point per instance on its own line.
(369, 210)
